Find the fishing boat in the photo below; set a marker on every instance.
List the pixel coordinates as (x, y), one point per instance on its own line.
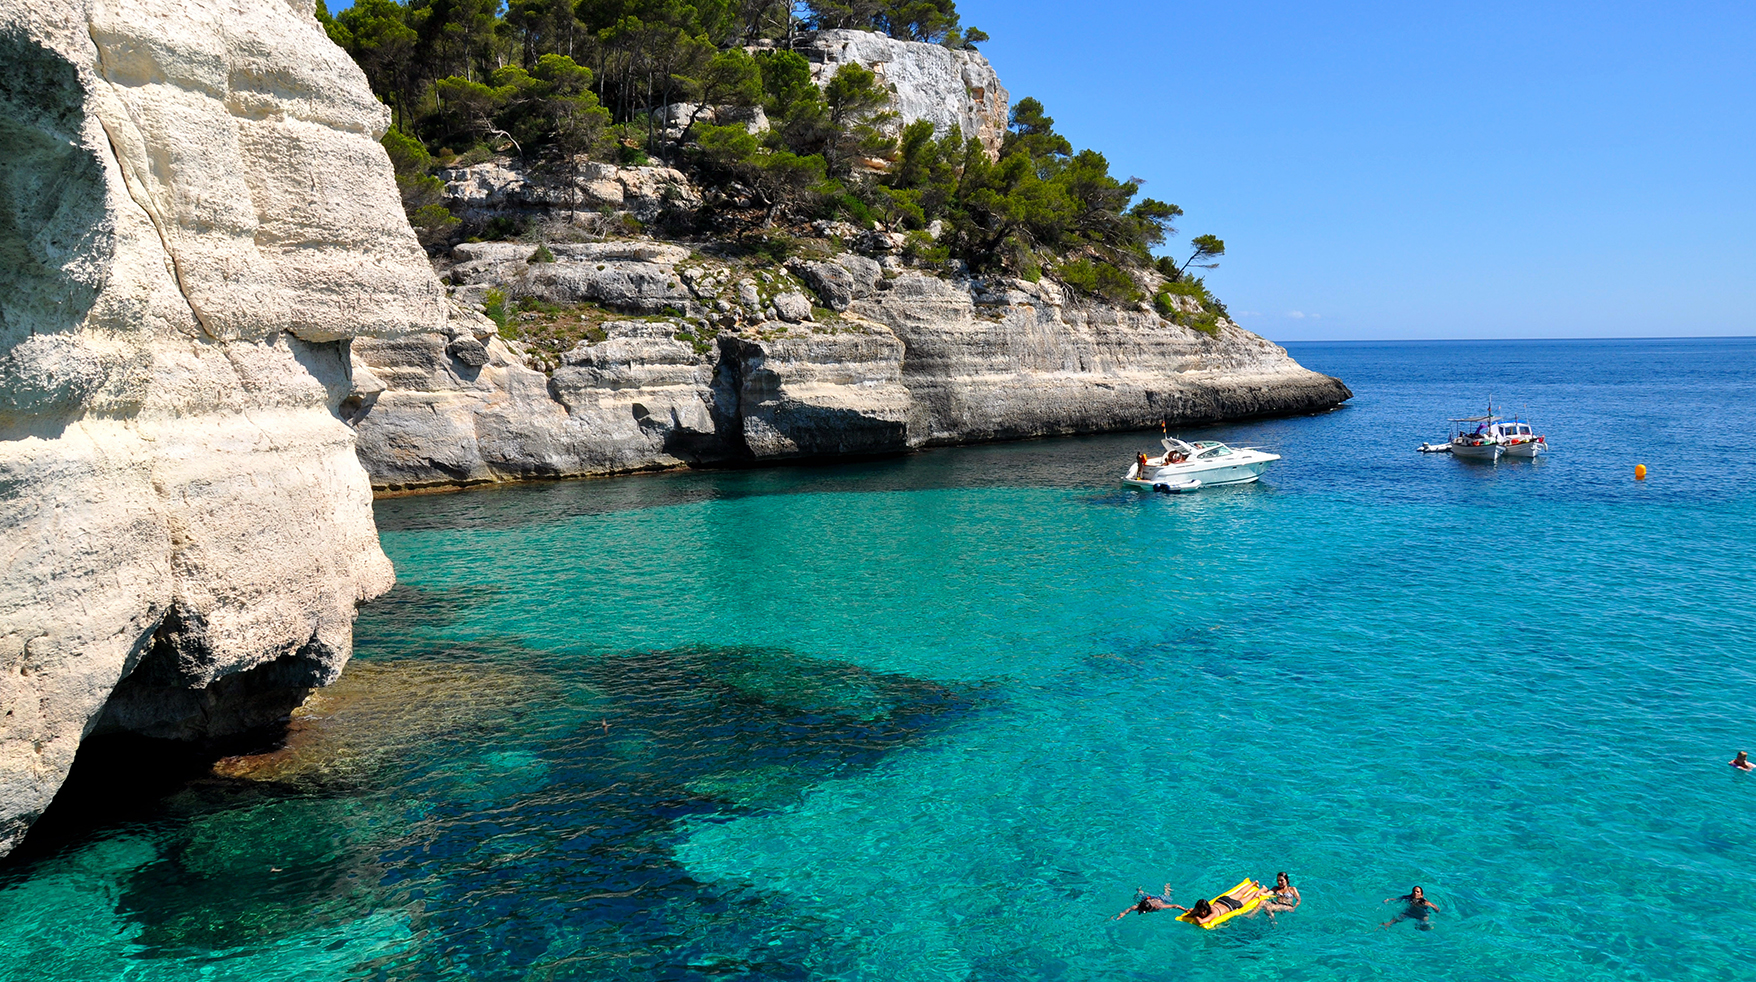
(1519, 440)
(1476, 438)
(1201, 464)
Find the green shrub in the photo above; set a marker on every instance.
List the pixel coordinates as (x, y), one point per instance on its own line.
(506, 227)
(494, 305)
(407, 154)
(1194, 287)
(433, 223)
(1098, 278)
(852, 210)
(1206, 320)
(773, 248)
(542, 255)
(919, 247)
(473, 156)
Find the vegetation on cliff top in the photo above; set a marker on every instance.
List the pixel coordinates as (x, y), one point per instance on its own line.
(555, 82)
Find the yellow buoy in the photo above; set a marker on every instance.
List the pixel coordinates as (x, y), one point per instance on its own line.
(1640, 472)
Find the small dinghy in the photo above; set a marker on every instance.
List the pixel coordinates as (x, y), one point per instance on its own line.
(1434, 448)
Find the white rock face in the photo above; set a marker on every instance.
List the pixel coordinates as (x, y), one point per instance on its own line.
(499, 186)
(932, 82)
(740, 367)
(195, 218)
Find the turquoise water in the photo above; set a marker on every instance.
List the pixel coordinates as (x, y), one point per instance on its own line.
(937, 717)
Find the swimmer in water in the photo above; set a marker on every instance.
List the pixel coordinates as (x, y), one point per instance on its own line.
(1286, 897)
(1418, 908)
(1742, 762)
(1146, 903)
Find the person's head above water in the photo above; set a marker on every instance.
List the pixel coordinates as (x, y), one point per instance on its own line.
(1201, 909)
(1416, 894)
(1742, 758)
(1281, 881)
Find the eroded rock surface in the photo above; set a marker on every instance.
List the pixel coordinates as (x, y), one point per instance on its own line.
(951, 88)
(848, 354)
(195, 221)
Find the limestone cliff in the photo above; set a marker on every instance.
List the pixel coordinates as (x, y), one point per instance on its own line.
(687, 352)
(195, 220)
(704, 359)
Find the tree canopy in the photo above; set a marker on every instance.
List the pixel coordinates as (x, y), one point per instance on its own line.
(558, 81)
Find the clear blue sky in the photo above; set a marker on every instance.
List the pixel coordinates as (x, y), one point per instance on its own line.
(1482, 169)
(1485, 169)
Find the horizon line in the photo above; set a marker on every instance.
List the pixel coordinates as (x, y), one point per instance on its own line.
(1656, 337)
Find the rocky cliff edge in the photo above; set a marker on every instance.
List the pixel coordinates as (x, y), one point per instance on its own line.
(639, 354)
(196, 219)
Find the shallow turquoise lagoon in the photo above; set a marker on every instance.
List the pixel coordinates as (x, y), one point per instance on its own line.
(937, 717)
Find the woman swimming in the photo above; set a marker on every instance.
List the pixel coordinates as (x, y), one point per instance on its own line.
(1418, 907)
(1146, 903)
(1286, 896)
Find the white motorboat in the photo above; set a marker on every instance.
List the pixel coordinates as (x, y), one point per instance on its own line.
(1202, 464)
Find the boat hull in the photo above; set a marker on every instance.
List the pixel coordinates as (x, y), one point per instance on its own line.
(1527, 451)
(1176, 477)
(1486, 451)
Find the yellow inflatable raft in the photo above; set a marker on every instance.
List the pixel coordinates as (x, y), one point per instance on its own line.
(1241, 899)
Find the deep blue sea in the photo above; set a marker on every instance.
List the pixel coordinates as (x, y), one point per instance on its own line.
(936, 717)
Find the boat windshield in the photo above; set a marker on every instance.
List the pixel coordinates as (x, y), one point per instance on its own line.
(1219, 451)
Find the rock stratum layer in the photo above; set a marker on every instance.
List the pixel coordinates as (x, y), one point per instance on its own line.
(725, 365)
(196, 219)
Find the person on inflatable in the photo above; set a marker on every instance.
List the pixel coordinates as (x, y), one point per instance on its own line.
(1742, 762)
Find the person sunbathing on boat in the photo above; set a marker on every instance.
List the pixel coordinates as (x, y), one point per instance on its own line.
(1742, 762)
(1286, 896)
(1418, 909)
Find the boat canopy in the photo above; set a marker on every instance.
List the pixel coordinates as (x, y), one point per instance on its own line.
(1177, 446)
